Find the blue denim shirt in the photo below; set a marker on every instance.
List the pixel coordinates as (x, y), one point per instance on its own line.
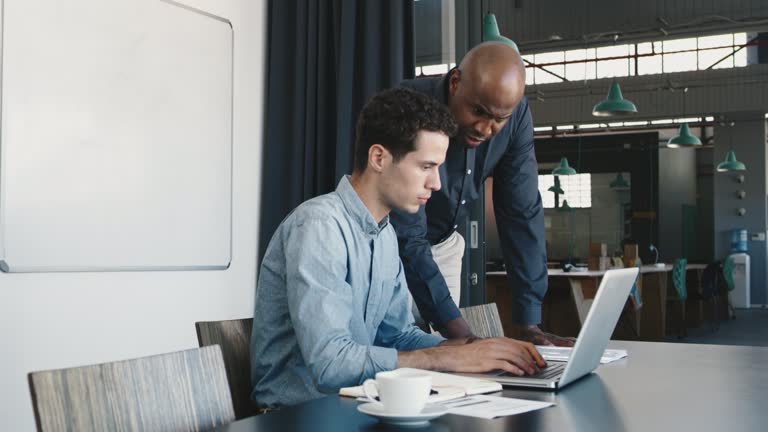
(332, 304)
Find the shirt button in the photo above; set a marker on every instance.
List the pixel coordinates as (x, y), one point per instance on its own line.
(455, 226)
(463, 202)
(469, 171)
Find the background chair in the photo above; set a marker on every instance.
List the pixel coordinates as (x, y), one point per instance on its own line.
(730, 285)
(678, 296)
(180, 391)
(712, 281)
(234, 338)
(483, 320)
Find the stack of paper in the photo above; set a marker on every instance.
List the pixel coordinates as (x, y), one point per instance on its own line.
(553, 353)
(492, 406)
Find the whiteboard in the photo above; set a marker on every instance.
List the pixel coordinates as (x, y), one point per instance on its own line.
(116, 139)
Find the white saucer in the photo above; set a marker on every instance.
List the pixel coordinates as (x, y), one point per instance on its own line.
(377, 410)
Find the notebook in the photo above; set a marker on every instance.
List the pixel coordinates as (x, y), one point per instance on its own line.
(444, 386)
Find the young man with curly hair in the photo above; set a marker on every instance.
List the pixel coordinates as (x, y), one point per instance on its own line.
(332, 305)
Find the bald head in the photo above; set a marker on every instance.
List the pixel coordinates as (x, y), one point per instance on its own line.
(485, 90)
(494, 64)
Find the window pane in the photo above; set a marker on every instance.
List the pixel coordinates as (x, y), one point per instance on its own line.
(551, 57)
(547, 197)
(529, 74)
(740, 58)
(715, 41)
(528, 69)
(582, 70)
(649, 65)
(543, 77)
(578, 190)
(437, 69)
(612, 51)
(576, 71)
(644, 48)
(612, 68)
(708, 57)
(680, 62)
(679, 44)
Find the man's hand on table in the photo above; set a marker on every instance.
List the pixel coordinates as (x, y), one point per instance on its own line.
(477, 355)
(532, 333)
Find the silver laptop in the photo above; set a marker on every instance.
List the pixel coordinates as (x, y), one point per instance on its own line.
(592, 341)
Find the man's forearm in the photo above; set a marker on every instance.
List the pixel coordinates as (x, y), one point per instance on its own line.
(434, 358)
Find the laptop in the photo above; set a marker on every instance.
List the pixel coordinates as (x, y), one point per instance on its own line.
(592, 341)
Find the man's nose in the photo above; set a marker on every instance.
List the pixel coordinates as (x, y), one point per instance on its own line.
(434, 183)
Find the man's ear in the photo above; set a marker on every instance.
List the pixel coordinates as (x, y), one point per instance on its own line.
(378, 157)
(453, 81)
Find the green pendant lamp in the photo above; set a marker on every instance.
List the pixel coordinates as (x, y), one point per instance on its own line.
(731, 164)
(619, 182)
(684, 138)
(491, 32)
(556, 188)
(614, 105)
(565, 207)
(564, 168)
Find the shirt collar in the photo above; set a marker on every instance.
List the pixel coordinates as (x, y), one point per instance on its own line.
(357, 210)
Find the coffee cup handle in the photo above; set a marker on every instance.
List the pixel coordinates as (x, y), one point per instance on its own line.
(368, 394)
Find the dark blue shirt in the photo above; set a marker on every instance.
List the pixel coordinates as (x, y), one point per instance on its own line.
(509, 158)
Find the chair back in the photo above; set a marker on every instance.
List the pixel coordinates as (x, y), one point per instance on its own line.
(678, 278)
(728, 273)
(711, 280)
(635, 296)
(179, 391)
(234, 338)
(483, 320)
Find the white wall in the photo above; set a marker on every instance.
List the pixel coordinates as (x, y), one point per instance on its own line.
(50, 321)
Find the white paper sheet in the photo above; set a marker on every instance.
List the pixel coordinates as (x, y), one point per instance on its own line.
(491, 406)
(552, 353)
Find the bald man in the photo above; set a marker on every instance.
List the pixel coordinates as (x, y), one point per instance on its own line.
(486, 96)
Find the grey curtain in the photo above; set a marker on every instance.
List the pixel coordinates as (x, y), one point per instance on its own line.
(325, 59)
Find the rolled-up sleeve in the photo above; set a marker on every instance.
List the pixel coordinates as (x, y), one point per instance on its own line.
(520, 220)
(398, 330)
(320, 306)
(426, 283)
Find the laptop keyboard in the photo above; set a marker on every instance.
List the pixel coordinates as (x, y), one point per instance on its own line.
(552, 369)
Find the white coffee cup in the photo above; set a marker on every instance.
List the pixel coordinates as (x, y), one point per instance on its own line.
(400, 392)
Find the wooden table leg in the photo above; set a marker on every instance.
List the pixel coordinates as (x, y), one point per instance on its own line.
(653, 312)
(693, 304)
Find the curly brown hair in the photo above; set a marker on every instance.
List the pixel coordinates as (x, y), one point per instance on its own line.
(393, 118)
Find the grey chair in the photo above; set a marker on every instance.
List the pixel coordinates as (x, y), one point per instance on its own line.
(234, 337)
(483, 320)
(179, 391)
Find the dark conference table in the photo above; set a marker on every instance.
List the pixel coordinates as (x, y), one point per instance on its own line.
(660, 386)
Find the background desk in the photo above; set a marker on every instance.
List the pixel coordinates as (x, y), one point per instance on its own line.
(660, 386)
(570, 296)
